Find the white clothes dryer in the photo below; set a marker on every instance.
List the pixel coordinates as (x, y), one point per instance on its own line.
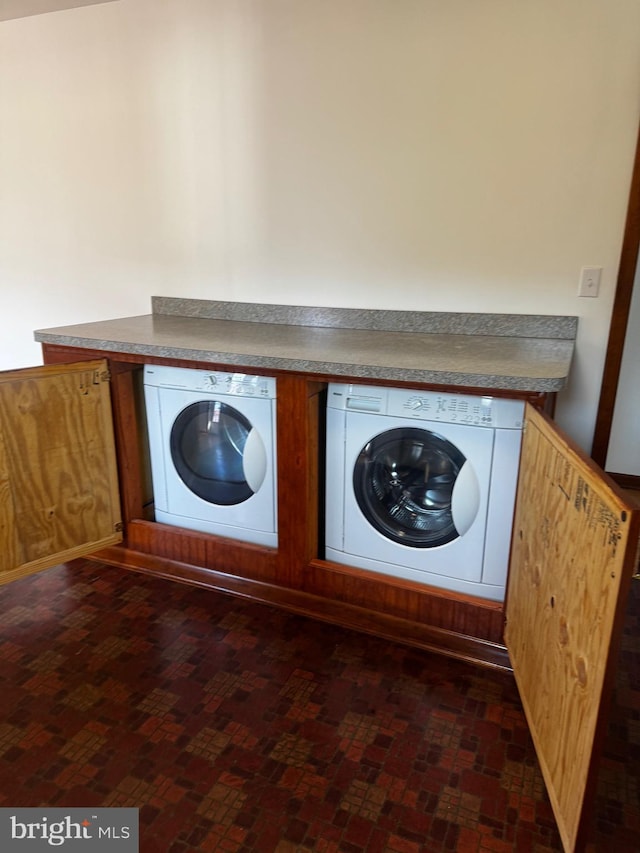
(212, 444)
(421, 485)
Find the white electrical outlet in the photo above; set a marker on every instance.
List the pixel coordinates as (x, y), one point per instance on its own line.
(589, 281)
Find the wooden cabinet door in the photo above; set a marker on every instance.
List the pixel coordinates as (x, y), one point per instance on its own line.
(58, 477)
(575, 548)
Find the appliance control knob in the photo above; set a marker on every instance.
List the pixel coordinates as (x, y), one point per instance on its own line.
(213, 379)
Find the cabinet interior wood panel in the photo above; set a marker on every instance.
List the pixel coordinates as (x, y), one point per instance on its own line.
(574, 543)
(58, 478)
(10, 553)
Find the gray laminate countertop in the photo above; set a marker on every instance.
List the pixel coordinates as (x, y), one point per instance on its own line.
(501, 351)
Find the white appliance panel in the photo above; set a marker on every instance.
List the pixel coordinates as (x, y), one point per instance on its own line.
(174, 391)
(502, 501)
(486, 430)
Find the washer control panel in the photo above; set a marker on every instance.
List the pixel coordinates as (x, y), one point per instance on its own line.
(465, 409)
(440, 407)
(435, 406)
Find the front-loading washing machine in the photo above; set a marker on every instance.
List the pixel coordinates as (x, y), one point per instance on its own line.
(421, 485)
(212, 446)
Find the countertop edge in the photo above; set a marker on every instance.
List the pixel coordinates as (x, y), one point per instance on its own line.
(326, 368)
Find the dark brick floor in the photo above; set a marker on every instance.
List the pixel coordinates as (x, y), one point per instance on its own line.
(237, 727)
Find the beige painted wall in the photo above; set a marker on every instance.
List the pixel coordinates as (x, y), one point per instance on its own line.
(22, 8)
(454, 156)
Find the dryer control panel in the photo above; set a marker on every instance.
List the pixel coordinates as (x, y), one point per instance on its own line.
(215, 382)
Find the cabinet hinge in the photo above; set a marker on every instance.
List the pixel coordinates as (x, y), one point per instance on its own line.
(118, 526)
(101, 375)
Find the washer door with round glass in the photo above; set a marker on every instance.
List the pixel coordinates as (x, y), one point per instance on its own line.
(405, 481)
(217, 453)
(416, 495)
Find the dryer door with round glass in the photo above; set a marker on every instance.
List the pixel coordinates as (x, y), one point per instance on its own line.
(217, 453)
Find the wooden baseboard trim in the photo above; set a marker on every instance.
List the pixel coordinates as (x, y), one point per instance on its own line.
(428, 638)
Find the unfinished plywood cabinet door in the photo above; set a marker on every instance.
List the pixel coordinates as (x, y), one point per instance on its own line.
(58, 478)
(574, 551)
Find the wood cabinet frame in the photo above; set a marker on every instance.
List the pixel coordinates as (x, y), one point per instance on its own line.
(293, 576)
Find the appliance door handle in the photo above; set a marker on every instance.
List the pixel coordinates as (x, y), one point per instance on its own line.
(465, 498)
(254, 461)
